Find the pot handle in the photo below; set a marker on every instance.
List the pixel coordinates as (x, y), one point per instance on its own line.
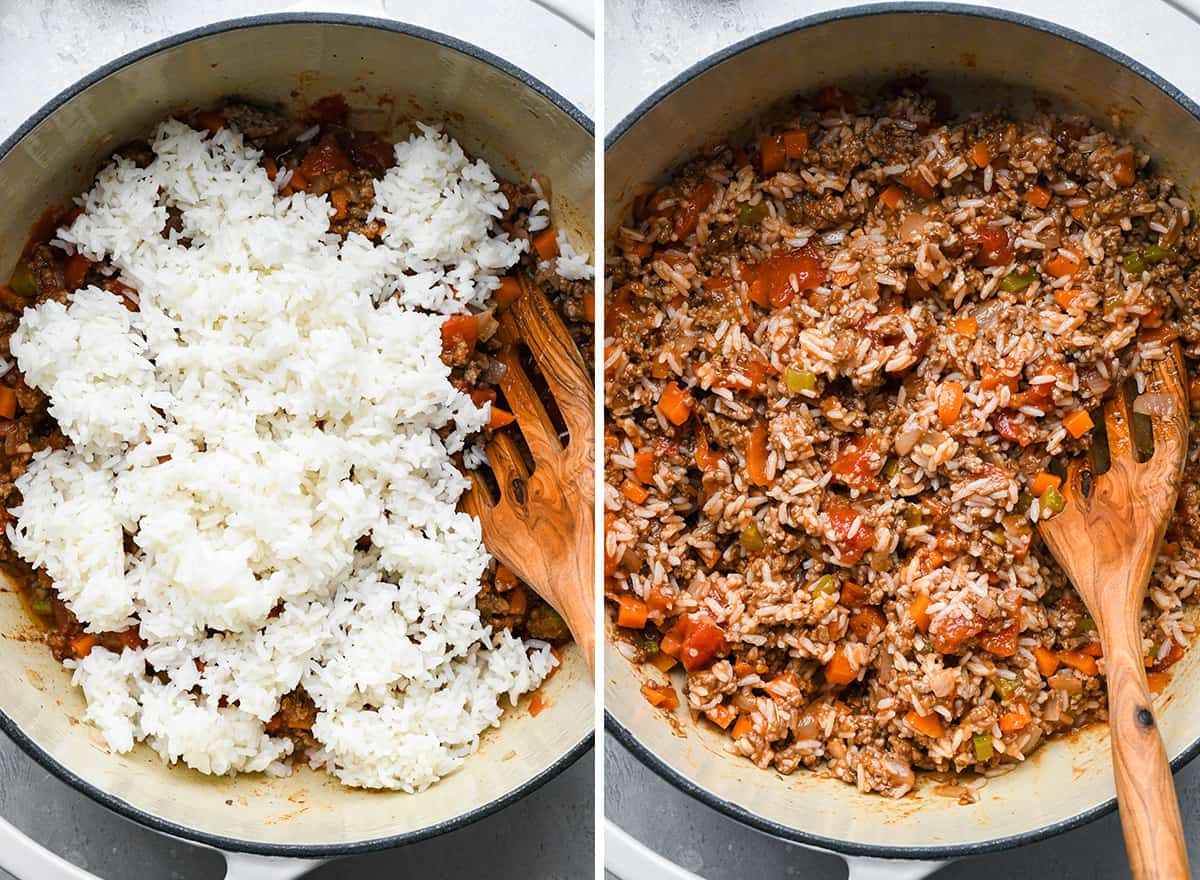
(26, 859)
(861, 868)
(243, 866)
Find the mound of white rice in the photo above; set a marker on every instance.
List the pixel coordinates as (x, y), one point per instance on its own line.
(268, 405)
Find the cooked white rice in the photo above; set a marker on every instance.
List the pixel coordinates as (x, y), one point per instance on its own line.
(268, 405)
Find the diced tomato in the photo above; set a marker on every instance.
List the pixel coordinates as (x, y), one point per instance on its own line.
(841, 521)
(994, 247)
(331, 110)
(916, 182)
(1014, 427)
(704, 641)
(460, 329)
(777, 279)
(706, 459)
(76, 271)
(661, 696)
(658, 601)
(991, 378)
(859, 461)
(756, 456)
(918, 612)
(210, 121)
(8, 402)
(324, 157)
(833, 98)
(1016, 718)
(687, 214)
(951, 631)
(371, 153)
(795, 143)
(1002, 643)
(721, 715)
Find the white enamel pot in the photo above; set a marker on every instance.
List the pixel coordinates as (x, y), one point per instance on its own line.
(497, 112)
(980, 58)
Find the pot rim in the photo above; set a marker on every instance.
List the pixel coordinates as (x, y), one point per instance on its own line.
(623, 734)
(119, 805)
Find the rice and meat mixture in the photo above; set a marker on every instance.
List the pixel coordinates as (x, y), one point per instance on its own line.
(239, 380)
(840, 362)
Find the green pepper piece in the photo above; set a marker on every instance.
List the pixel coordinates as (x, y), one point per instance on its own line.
(1052, 595)
(751, 538)
(1005, 687)
(751, 215)
(1015, 281)
(1024, 502)
(42, 605)
(1133, 264)
(1156, 253)
(1085, 625)
(983, 746)
(22, 281)
(913, 515)
(824, 584)
(891, 468)
(799, 380)
(1052, 501)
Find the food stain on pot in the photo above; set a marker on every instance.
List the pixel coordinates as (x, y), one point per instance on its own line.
(35, 679)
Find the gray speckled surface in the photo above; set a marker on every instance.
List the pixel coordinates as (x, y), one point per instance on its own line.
(647, 42)
(45, 46)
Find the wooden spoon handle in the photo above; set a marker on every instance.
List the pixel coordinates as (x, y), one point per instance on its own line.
(1145, 788)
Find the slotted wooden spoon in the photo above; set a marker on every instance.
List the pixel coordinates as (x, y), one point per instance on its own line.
(1106, 539)
(541, 526)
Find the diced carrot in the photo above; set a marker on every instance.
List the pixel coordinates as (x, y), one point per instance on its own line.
(1093, 649)
(508, 292)
(866, 621)
(839, 670)
(991, 378)
(671, 644)
(853, 595)
(518, 602)
(270, 167)
(1157, 681)
(1194, 392)
(721, 715)
(504, 579)
(1079, 211)
(82, 645)
(892, 196)
(632, 612)
(76, 271)
(916, 182)
(661, 696)
(658, 600)
(1160, 334)
(500, 418)
(8, 402)
(964, 326)
(981, 154)
(918, 611)
(1153, 318)
(1067, 297)
(663, 662)
(930, 725)
(675, 403)
(1123, 170)
(1043, 481)
(298, 182)
(1047, 661)
(756, 456)
(635, 493)
(1016, 718)
(1038, 196)
(742, 727)
(340, 199)
(706, 459)
(589, 306)
(783, 687)
(643, 466)
(949, 402)
(1078, 423)
(210, 121)
(795, 143)
(1084, 663)
(546, 243)
(1061, 265)
(773, 153)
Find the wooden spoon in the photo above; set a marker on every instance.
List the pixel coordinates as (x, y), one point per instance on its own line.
(1107, 539)
(542, 525)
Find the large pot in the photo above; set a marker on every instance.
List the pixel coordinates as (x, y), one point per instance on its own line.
(497, 112)
(980, 58)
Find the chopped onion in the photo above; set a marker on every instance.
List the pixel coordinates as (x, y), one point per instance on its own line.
(912, 224)
(1154, 404)
(488, 325)
(906, 440)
